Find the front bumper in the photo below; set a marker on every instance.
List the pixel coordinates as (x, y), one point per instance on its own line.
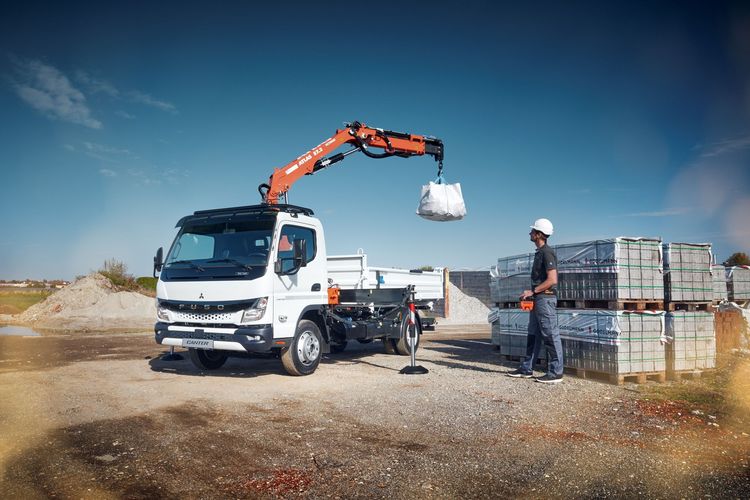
(253, 338)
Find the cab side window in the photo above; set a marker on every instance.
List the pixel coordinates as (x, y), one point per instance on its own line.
(289, 234)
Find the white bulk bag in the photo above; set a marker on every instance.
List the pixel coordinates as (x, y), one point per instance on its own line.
(441, 202)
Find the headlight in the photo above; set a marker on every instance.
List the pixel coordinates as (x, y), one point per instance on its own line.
(255, 312)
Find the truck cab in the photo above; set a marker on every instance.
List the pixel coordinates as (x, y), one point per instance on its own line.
(241, 280)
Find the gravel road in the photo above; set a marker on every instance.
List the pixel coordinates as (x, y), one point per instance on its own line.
(103, 417)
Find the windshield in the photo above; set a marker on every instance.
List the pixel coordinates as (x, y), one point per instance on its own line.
(230, 249)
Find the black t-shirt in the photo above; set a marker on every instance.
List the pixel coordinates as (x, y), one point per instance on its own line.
(544, 260)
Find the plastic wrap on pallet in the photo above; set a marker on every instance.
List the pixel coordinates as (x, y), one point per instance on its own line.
(738, 283)
(621, 269)
(688, 272)
(509, 332)
(616, 342)
(617, 269)
(692, 343)
(719, 280)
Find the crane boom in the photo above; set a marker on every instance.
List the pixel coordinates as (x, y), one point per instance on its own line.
(362, 138)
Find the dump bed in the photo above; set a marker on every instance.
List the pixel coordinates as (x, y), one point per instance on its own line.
(352, 272)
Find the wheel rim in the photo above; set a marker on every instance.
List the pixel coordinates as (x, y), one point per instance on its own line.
(308, 348)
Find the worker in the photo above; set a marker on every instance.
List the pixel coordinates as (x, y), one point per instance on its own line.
(543, 327)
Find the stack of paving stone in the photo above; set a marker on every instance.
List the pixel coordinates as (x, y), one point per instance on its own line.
(687, 272)
(688, 287)
(612, 342)
(693, 341)
(618, 269)
(509, 332)
(615, 271)
(738, 283)
(510, 278)
(718, 274)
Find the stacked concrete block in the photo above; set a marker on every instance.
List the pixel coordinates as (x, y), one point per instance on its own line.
(510, 277)
(618, 269)
(614, 342)
(738, 283)
(687, 272)
(692, 343)
(719, 279)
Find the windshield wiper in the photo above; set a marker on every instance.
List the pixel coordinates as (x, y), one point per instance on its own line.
(231, 261)
(188, 262)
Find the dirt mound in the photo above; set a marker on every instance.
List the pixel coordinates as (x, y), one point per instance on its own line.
(91, 303)
(464, 309)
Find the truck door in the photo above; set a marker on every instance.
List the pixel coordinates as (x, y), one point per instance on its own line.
(292, 293)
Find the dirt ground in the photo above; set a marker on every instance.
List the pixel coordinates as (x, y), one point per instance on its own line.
(102, 416)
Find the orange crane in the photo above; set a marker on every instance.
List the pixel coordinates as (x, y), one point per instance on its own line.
(362, 138)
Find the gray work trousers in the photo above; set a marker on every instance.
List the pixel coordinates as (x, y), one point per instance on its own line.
(543, 330)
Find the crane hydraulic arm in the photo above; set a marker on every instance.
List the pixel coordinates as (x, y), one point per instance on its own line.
(362, 138)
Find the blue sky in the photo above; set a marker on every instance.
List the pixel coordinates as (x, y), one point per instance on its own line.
(609, 119)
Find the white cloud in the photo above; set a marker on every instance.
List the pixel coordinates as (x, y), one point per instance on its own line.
(107, 153)
(143, 98)
(124, 114)
(95, 85)
(49, 91)
(107, 172)
(726, 146)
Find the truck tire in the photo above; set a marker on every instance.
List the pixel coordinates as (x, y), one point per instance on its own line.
(302, 357)
(338, 347)
(390, 346)
(402, 344)
(207, 360)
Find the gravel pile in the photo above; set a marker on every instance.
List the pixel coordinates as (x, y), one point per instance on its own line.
(91, 303)
(464, 309)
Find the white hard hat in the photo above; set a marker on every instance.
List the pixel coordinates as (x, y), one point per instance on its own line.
(543, 226)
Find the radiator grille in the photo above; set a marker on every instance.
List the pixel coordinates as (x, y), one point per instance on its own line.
(191, 317)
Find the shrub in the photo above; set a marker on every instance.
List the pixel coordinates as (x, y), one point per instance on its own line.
(147, 283)
(117, 273)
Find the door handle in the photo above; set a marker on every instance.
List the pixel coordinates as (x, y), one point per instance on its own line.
(315, 287)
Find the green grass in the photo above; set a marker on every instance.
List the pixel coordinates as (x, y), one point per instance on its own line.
(17, 301)
(718, 392)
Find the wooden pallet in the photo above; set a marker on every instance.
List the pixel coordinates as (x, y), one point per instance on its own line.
(508, 305)
(613, 305)
(617, 378)
(684, 375)
(689, 306)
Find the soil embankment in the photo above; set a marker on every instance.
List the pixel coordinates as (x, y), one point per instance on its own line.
(91, 303)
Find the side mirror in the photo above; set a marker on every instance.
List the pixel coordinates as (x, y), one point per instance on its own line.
(158, 261)
(300, 253)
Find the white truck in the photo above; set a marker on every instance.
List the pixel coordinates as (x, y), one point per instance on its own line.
(257, 279)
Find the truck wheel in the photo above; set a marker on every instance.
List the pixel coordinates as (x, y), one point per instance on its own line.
(303, 355)
(207, 360)
(338, 347)
(402, 344)
(390, 346)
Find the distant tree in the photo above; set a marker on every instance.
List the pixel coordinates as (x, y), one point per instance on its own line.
(426, 268)
(738, 259)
